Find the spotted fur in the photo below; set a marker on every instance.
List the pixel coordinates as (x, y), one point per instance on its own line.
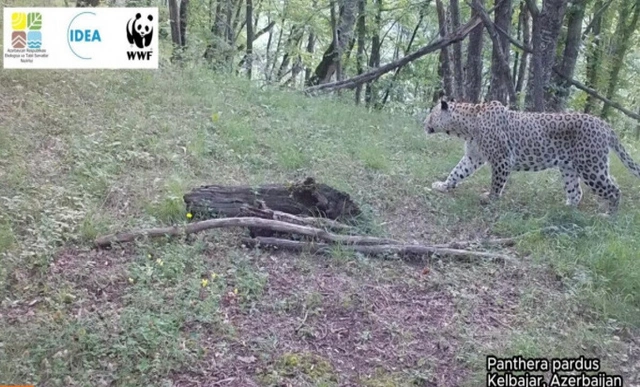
(576, 143)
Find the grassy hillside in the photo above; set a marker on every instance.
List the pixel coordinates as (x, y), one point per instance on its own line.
(89, 152)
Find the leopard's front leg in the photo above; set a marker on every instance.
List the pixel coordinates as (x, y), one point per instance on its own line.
(470, 162)
(500, 171)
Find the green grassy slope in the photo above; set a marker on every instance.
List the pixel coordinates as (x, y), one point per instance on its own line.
(89, 152)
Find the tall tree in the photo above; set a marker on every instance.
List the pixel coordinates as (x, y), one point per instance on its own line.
(184, 12)
(594, 53)
(547, 23)
(374, 58)
(344, 32)
(445, 60)
(218, 42)
(458, 74)
(362, 31)
(290, 49)
(624, 30)
(473, 67)
(502, 20)
(174, 16)
(249, 23)
(567, 62)
(526, 39)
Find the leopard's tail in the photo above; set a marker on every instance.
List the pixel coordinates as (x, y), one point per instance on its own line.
(616, 145)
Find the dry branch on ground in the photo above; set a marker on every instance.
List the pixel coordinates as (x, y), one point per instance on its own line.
(364, 244)
(379, 249)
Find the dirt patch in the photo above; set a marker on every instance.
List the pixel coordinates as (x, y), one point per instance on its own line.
(366, 320)
(99, 275)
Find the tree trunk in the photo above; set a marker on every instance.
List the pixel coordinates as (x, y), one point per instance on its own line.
(275, 56)
(343, 36)
(624, 30)
(293, 40)
(458, 74)
(567, 65)
(374, 58)
(236, 20)
(337, 53)
(445, 62)
(516, 54)
(249, 16)
(473, 68)
(502, 20)
(229, 22)
(184, 13)
(174, 16)
(362, 4)
(547, 24)
(267, 73)
(310, 49)
(594, 56)
(526, 39)
(217, 43)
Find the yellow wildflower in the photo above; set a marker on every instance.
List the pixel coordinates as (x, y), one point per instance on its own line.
(205, 282)
(189, 215)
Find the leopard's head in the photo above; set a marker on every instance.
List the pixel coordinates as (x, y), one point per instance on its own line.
(439, 119)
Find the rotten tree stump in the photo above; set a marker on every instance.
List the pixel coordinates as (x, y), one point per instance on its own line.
(307, 198)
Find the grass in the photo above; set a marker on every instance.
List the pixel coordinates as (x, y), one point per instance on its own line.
(88, 152)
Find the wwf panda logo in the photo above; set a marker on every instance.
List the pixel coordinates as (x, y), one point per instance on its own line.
(140, 30)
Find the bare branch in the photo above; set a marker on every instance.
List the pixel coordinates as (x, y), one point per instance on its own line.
(402, 250)
(273, 225)
(513, 40)
(595, 94)
(445, 41)
(289, 218)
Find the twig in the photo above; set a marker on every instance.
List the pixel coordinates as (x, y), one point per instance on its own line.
(273, 225)
(464, 244)
(508, 241)
(304, 320)
(380, 249)
(289, 218)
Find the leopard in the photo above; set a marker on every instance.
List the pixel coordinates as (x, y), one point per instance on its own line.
(507, 140)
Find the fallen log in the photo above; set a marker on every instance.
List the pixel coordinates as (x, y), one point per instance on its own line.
(307, 198)
(402, 250)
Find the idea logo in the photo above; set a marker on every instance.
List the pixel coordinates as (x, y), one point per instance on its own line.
(83, 37)
(26, 30)
(140, 34)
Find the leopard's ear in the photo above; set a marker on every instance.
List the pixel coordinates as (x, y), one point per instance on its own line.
(452, 99)
(444, 105)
